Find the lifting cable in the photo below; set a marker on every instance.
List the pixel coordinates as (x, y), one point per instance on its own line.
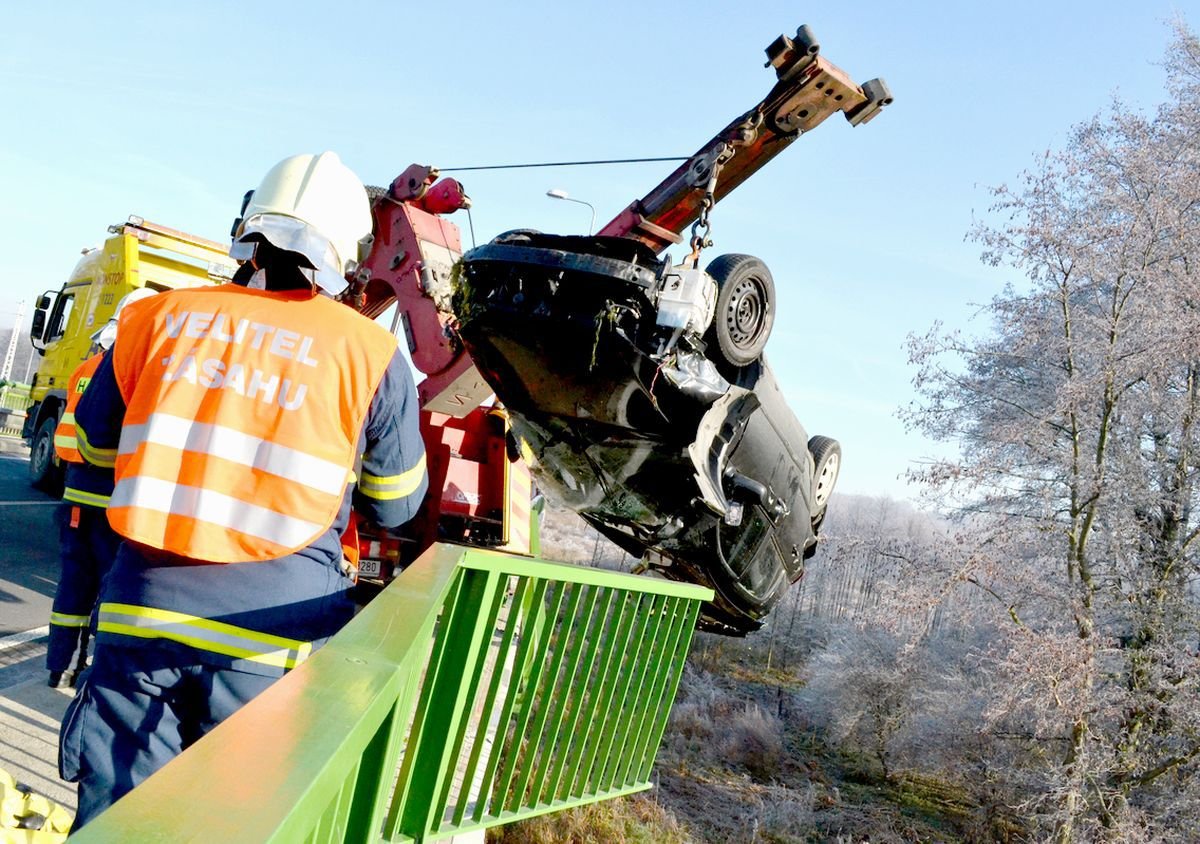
(562, 164)
(471, 222)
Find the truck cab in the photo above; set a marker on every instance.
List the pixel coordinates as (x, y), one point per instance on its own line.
(137, 253)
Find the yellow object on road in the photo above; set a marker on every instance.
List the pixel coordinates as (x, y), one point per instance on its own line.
(28, 818)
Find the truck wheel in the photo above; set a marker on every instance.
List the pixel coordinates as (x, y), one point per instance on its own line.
(827, 457)
(44, 473)
(745, 308)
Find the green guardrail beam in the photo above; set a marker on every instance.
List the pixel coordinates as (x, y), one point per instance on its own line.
(477, 689)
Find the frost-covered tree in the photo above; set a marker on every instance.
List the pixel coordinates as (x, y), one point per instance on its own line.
(1076, 416)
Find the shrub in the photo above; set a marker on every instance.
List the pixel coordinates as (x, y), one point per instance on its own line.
(754, 740)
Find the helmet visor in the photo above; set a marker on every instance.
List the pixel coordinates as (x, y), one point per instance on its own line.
(293, 235)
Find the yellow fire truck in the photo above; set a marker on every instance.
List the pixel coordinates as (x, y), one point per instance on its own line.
(138, 253)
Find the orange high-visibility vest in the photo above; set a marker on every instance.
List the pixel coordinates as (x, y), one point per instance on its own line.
(65, 442)
(244, 410)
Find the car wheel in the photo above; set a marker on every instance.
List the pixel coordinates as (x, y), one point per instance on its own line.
(44, 473)
(827, 458)
(745, 308)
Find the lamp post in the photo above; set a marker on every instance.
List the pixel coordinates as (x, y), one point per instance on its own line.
(559, 193)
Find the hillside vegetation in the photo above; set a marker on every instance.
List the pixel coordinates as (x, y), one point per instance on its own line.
(764, 742)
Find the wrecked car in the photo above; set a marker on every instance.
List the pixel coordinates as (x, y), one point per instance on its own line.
(640, 398)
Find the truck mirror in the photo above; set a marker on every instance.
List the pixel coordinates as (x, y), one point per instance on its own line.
(39, 325)
(37, 331)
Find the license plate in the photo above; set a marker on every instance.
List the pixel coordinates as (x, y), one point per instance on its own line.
(369, 568)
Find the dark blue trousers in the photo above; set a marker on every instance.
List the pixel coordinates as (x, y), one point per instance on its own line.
(88, 545)
(137, 709)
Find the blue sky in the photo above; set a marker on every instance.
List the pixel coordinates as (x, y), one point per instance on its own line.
(172, 113)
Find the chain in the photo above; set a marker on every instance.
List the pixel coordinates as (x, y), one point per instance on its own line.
(702, 228)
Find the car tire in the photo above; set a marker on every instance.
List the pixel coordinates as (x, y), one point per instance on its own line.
(745, 309)
(44, 472)
(827, 461)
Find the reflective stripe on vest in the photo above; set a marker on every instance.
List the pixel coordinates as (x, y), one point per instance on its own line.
(64, 437)
(228, 444)
(214, 508)
(244, 410)
(202, 634)
(62, 619)
(66, 444)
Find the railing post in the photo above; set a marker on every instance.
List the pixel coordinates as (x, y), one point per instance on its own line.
(374, 779)
(428, 760)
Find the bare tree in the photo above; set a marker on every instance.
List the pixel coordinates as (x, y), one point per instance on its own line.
(1076, 417)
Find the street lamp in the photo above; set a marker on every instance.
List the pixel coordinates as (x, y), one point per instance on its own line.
(559, 193)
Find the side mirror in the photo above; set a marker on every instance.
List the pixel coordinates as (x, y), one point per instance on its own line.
(37, 331)
(39, 326)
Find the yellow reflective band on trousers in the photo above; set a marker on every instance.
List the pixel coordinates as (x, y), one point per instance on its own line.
(103, 457)
(91, 499)
(392, 486)
(202, 634)
(64, 620)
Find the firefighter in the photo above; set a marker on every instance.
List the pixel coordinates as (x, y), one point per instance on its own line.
(87, 543)
(233, 417)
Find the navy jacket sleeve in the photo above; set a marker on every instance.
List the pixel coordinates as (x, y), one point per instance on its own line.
(99, 415)
(393, 479)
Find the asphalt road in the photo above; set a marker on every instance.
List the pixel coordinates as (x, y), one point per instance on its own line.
(28, 549)
(30, 712)
(28, 569)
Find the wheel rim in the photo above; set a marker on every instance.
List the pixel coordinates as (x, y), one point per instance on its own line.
(746, 314)
(41, 454)
(826, 480)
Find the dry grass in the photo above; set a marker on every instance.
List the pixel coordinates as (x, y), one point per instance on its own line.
(742, 763)
(627, 820)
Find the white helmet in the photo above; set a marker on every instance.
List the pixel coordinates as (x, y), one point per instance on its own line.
(107, 335)
(313, 205)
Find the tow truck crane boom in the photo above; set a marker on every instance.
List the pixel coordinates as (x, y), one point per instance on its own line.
(809, 88)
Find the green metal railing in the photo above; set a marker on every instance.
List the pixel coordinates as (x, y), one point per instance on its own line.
(14, 397)
(14, 401)
(477, 689)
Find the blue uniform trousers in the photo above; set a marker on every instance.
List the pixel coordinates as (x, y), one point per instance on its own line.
(137, 709)
(87, 545)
